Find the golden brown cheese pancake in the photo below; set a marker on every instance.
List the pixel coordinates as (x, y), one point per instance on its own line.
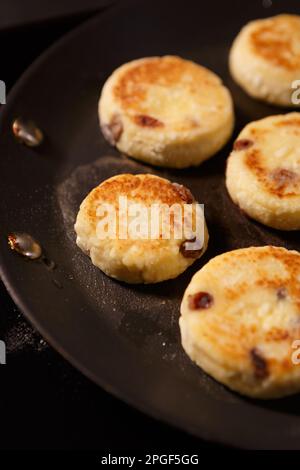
(240, 318)
(263, 171)
(166, 111)
(142, 257)
(265, 59)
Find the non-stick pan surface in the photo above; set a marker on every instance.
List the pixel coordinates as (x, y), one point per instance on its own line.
(126, 338)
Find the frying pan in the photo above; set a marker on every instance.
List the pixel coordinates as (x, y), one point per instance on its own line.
(126, 338)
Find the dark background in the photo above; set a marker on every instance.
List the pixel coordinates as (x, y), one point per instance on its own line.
(45, 403)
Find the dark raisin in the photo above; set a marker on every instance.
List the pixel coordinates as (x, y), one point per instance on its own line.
(281, 293)
(242, 144)
(187, 251)
(147, 121)
(283, 177)
(113, 131)
(201, 300)
(259, 363)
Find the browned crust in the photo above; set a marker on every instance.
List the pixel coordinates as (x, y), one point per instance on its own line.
(131, 87)
(274, 44)
(280, 182)
(163, 71)
(184, 193)
(290, 260)
(145, 189)
(293, 123)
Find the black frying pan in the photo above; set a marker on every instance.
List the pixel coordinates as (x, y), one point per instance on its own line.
(126, 338)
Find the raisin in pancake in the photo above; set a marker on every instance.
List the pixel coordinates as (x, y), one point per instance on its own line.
(263, 171)
(241, 328)
(265, 58)
(141, 257)
(166, 111)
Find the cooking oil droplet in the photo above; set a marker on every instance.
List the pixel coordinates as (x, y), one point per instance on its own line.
(25, 245)
(27, 132)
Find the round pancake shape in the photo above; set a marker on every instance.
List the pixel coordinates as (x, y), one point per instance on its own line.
(138, 252)
(263, 171)
(265, 59)
(240, 320)
(166, 111)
